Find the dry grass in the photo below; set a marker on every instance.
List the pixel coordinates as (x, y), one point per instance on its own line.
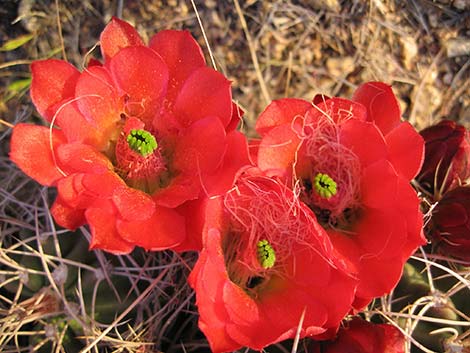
(55, 296)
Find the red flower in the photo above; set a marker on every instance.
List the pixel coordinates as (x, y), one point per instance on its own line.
(447, 158)
(265, 261)
(351, 161)
(450, 223)
(132, 140)
(360, 336)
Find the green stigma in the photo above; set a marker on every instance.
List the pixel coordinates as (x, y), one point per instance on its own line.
(142, 142)
(324, 185)
(266, 254)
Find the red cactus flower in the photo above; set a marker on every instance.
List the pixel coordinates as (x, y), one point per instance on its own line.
(265, 264)
(447, 158)
(351, 161)
(132, 140)
(360, 336)
(450, 223)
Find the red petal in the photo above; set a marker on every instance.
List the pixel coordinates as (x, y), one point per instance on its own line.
(381, 233)
(284, 307)
(280, 112)
(181, 53)
(342, 287)
(163, 230)
(201, 149)
(77, 157)
(253, 150)
(409, 205)
(217, 336)
(97, 99)
(143, 76)
(52, 82)
(214, 275)
(66, 216)
(363, 333)
(320, 98)
(181, 189)
(214, 215)
(379, 185)
(382, 106)
(353, 134)
(102, 185)
(104, 235)
(132, 204)
(237, 115)
(339, 110)
(205, 93)
(193, 212)
(378, 277)
(31, 151)
(321, 281)
(310, 269)
(72, 191)
(117, 35)
(76, 128)
(347, 247)
(235, 158)
(359, 304)
(208, 279)
(360, 336)
(406, 149)
(81, 191)
(278, 149)
(94, 62)
(241, 308)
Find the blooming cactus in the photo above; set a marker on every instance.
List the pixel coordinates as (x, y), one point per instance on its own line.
(265, 264)
(351, 161)
(133, 140)
(360, 336)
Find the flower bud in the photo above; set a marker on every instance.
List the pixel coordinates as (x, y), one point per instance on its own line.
(360, 336)
(447, 157)
(450, 223)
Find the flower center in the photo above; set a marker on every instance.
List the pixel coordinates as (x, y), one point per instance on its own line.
(266, 254)
(330, 176)
(324, 185)
(139, 159)
(142, 142)
(249, 265)
(265, 222)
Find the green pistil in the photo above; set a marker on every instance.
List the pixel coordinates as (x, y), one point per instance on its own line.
(266, 254)
(324, 185)
(142, 142)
